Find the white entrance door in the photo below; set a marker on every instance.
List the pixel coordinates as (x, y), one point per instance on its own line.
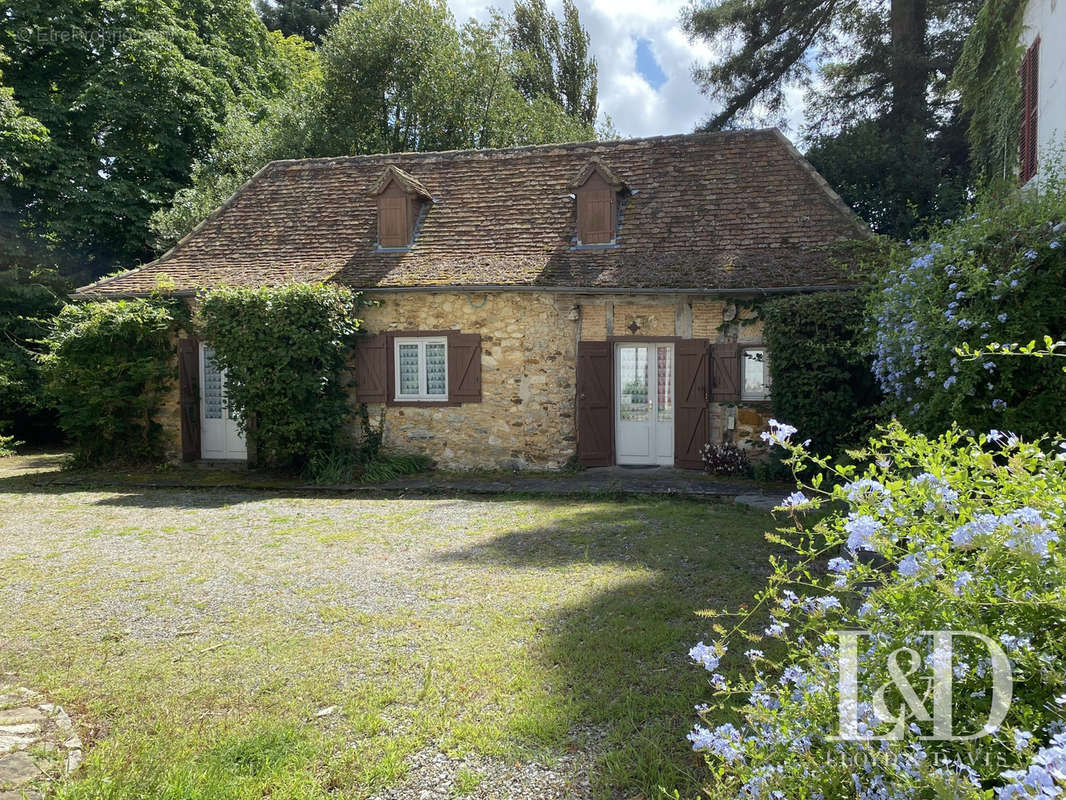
(220, 438)
(644, 403)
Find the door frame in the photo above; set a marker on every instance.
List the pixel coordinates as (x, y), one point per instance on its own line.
(225, 413)
(652, 341)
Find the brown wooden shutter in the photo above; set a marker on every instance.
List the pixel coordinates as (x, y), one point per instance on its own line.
(189, 389)
(691, 422)
(595, 213)
(1027, 134)
(595, 409)
(464, 367)
(371, 369)
(725, 373)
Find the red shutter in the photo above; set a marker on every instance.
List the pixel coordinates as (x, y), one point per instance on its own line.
(189, 389)
(371, 369)
(464, 367)
(595, 428)
(1027, 134)
(725, 373)
(691, 427)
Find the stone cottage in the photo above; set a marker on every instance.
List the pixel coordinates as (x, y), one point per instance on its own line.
(536, 304)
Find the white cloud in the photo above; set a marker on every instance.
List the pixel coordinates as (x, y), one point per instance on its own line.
(614, 27)
(635, 108)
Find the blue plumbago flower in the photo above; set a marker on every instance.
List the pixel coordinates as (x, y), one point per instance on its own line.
(1021, 740)
(753, 654)
(724, 741)
(860, 530)
(1055, 245)
(1015, 643)
(795, 500)
(866, 609)
(999, 405)
(708, 655)
(989, 365)
(779, 433)
(909, 566)
(776, 627)
(1002, 317)
(839, 564)
(1030, 255)
(827, 602)
(962, 580)
(1014, 284)
(864, 487)
(981, 525)
(951, 380)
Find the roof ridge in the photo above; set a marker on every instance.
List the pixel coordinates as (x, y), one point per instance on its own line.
(519, 150)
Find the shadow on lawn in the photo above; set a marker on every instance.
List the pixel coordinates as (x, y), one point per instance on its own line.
(622, 651)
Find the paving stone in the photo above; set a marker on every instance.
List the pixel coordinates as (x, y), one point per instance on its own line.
(9, 742)
(22, 794)
(17, 769)
(73, 760)
(20, 716)
(27, 729)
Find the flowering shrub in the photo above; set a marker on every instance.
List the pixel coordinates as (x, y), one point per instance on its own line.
(995, 276)
(724, 459)
(951, 533)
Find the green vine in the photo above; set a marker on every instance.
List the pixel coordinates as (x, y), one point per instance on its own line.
(987, 80)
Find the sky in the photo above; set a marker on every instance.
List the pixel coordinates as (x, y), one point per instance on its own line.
(645, 61)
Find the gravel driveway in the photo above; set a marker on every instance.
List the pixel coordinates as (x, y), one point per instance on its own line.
(387, 648)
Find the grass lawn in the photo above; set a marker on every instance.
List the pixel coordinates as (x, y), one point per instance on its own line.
(199, 631)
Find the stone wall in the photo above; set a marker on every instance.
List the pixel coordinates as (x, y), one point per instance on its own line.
(529, 354)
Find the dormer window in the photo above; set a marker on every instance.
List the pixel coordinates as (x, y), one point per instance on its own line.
(597, 191)
(401, 200)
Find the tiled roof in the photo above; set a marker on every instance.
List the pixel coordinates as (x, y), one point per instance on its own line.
(726, 210)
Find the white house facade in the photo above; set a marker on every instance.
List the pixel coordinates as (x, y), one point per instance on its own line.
(1043, 76)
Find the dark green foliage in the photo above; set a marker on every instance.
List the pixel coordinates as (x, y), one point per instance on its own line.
(27, 304)
(895, 182)
(870, 70)
(107, 369)
(131, 94)
(994, 275)
(307, 18)
(822, 379)
(365, 461)
(285, 350)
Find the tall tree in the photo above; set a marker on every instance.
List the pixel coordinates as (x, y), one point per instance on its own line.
(132, 93)
(553, 58)
(307, 18)
(877, 78)
(390, 76)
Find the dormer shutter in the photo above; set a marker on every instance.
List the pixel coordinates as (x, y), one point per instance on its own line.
(596, 216)
(394, 228)
(597, 190)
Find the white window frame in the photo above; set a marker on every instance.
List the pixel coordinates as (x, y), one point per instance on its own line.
(765, 393)
(423, 396)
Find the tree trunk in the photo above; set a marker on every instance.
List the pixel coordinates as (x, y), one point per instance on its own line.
(909, 70)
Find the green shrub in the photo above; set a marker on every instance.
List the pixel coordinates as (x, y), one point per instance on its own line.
(28, 302)
(997, 275)
(960, 533)
(107, 368)
(822, 377)
(7, 446)
(285, 350)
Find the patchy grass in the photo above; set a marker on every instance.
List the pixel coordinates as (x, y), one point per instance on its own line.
(201, 630)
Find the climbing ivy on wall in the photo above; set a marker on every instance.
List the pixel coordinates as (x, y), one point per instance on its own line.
(107, 368)
(285, 350)
(987, 79)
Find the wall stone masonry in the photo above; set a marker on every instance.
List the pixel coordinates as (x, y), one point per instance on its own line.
(526, 418)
